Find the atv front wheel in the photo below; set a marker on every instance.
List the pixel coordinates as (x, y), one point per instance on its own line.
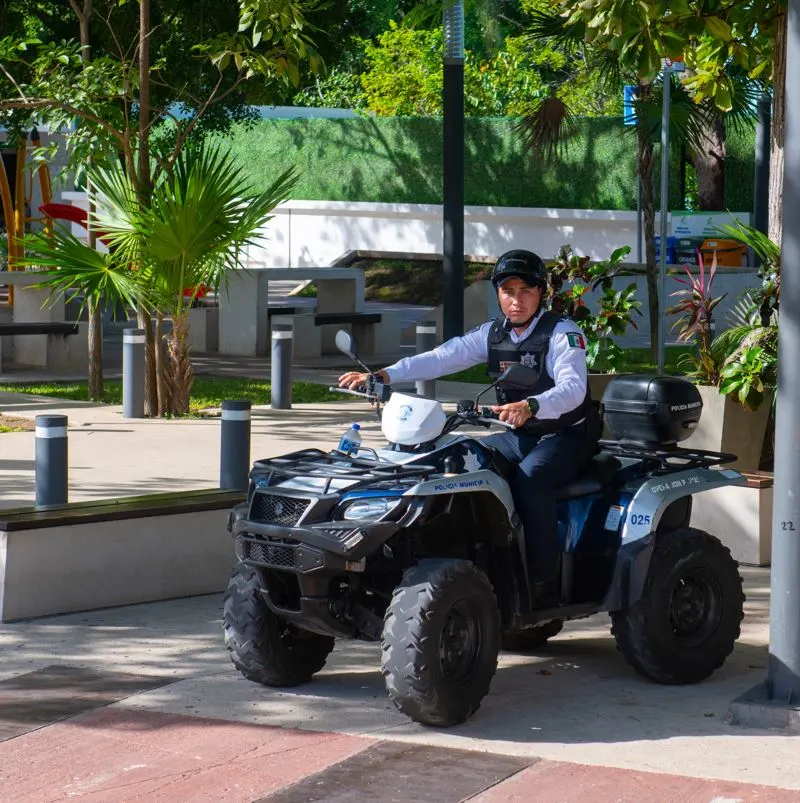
(441, 638)
(688, 618)
(263, 647)
(533, 637)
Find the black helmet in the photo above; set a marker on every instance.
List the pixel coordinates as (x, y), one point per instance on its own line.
(524, 265)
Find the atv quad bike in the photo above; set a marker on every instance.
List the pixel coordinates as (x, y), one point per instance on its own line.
(417, 546)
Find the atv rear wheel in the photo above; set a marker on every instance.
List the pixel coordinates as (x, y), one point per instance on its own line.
(532, 638)
(263, 646)
(688, 618)
(441, 638)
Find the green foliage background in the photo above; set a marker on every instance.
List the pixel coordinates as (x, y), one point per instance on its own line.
(385, 159)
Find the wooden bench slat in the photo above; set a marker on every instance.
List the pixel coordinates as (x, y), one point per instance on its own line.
(321, 319)
(43, 328)
(131, 507)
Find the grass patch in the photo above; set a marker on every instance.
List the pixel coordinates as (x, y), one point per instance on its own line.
(636, 361)
(207, 392)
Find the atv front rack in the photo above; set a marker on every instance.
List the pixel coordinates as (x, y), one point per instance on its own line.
(666, 458)
(336, 465)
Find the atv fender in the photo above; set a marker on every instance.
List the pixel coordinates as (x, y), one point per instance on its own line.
(661, 502)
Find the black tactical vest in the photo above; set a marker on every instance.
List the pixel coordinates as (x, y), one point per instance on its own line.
(532, 352)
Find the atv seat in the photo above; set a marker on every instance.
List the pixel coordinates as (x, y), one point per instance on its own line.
(597, 475)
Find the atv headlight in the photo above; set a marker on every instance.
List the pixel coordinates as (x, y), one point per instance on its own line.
(372, 508)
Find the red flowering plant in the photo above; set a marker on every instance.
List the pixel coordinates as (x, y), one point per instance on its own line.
(571, 279)
(696, 322)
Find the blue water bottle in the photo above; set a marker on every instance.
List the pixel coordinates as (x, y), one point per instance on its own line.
(351, 440)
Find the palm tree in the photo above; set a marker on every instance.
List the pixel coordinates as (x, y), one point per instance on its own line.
(79, 271)
(200, 216)
(550, 123)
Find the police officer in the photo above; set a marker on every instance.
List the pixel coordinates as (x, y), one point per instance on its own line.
(554, 436)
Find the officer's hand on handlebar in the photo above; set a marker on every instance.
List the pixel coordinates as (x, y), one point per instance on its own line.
(515, 413)
(355, 379)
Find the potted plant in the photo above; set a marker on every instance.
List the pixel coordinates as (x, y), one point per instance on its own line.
(732, 371)
(571, 278)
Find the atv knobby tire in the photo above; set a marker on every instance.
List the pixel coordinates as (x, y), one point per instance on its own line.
(262, 646)
(688, 618)
(441, 638)
(532, 638)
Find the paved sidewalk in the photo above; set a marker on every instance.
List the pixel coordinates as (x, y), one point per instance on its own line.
(141, 703)
(113, 456)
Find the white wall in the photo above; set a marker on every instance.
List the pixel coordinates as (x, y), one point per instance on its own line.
(318, 232)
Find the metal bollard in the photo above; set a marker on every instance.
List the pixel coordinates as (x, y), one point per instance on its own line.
(234, 456)
(281, 366)
(133, 373)
(51, 460)
(426, 340)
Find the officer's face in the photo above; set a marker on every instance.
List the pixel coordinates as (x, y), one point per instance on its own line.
(518, 301)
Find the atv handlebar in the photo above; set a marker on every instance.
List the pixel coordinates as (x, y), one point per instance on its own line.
(468, 412)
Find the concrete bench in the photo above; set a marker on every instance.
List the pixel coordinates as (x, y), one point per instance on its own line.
(362, 326)
(90, 555)
(244, 306)
(27, 343)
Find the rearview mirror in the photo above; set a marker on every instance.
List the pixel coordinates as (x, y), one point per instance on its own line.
(346, 343)
(518, 376)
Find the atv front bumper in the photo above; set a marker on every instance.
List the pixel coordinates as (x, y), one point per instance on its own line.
(314, 554)
(330, 548)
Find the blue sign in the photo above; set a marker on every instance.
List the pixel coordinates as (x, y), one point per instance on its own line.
(628, 107)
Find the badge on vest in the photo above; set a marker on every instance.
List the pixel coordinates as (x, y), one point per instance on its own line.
(575, 340)
(528, 360)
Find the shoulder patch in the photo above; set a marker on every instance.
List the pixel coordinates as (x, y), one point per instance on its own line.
(575, 340)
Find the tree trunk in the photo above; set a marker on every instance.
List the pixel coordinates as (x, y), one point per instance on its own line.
(644, 168)
(145, 321)
(776, 145)
(95, 351)
(95, 335)
(154, 381)
(709, 165)
(162, 368)
(181, 373)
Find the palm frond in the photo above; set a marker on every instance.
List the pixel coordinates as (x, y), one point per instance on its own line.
(767, 251)
(547, 128)
(551, 27)
(77, 269)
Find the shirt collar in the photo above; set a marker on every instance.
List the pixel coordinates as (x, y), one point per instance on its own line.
(515, 338)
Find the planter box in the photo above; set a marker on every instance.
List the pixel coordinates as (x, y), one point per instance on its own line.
(740, 516)
(725, 426)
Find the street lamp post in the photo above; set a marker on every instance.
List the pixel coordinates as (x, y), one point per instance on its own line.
(453, 170)
(776, 702)
(662, 257)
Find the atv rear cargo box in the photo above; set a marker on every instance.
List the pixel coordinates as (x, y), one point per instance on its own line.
(655, 412)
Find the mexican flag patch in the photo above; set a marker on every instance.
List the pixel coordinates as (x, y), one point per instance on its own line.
(575, 340)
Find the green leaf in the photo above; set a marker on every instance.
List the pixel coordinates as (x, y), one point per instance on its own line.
(718, 28)
(722, 97)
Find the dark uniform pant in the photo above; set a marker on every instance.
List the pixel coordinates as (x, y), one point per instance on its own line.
(543, 465)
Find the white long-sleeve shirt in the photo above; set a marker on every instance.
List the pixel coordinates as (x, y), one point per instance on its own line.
(565, 363)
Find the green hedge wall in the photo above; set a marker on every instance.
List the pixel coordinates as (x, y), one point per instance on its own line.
(393, 159)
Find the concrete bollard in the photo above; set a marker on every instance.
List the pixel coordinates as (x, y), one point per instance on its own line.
(281, 366)
(426, 340)
(51, 460)
(133, 373)
(234, 456)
